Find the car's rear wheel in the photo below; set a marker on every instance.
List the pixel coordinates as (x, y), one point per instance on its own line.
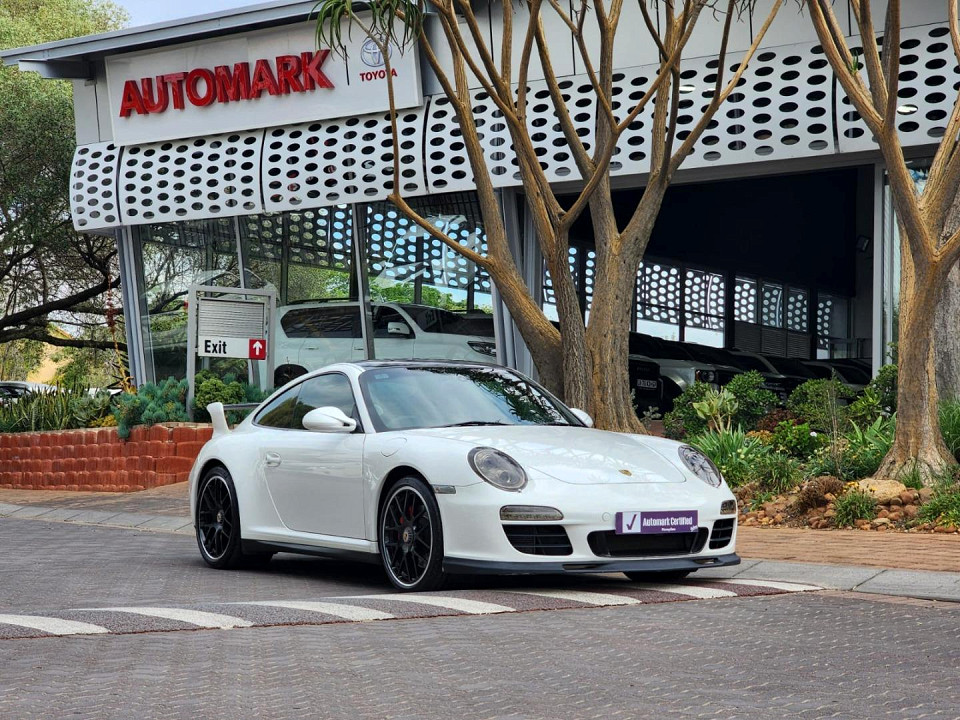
(652, 577)
(218, 523)
(411, 537)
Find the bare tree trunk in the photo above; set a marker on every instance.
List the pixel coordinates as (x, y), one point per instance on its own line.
(608, 343)
(948, 319)
(948, 338)
(917, 441)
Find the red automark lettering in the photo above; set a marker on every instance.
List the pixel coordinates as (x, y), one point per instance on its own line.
(202, 87)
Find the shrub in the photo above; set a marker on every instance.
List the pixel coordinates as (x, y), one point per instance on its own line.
(943, 508)
(950, 425)
(228, 390)
(768, 423)
(776, 473)
(797, 440)
(733, 452)
(865, 448)
(62, 409)
(820, 404)
(683, 420)
(885, 385)
(854, 505)
(753, 401)
(151, 404)
(718, 408)
(814, 491)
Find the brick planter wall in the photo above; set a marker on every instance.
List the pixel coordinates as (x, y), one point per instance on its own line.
(97, 459)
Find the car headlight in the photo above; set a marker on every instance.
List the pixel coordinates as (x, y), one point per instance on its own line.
(707, 376)
(700, 465)
(497, 468)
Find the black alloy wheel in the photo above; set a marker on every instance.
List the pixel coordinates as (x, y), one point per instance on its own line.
(218, 522)
(411, 539)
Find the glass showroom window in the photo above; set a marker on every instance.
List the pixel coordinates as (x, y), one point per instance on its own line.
(429, 301)
(704, 303)
(306, 256)
(658, 300)
(173, 256)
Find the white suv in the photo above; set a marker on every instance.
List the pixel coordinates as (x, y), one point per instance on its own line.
(313, 334)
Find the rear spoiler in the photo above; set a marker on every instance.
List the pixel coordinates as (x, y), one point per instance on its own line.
(219, 418)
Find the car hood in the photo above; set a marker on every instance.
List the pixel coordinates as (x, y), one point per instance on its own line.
(578, 455)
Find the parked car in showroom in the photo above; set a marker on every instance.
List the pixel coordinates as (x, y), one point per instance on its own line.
(679, 369)
(438, 468)
(316, 333)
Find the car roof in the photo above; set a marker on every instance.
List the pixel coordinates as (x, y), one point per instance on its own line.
(368, 364)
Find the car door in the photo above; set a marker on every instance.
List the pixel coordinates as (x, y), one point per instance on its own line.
(315, 479)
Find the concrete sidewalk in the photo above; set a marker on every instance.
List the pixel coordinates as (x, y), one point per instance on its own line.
(917, 565)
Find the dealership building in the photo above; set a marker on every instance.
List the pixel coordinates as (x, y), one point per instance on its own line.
(229, 150)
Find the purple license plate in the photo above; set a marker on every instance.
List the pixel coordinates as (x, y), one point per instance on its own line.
(656, 521)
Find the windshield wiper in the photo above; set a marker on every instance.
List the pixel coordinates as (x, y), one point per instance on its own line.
(474, 422)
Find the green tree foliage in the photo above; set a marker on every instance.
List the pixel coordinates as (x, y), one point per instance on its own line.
(46, 268)
(19, 358)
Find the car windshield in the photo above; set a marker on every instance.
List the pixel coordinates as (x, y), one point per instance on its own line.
(402, 398)
(435, 320)
(789, 366)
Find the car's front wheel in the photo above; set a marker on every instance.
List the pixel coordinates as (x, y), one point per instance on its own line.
(652, 577)
(411, 537)
(218, 523)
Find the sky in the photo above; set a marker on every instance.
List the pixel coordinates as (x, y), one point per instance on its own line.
(145, 12)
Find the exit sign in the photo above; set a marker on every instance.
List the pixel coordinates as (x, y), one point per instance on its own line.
(231, 347)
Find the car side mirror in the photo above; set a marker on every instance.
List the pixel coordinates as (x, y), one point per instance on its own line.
(399, 328)
(329, 420)
(583, 417)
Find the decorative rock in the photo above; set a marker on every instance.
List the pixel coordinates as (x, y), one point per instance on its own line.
(944, 529)
(880, 522)
(883, 512)
(895, 516)
(925, 495)
(910, 511)
(829, 497)
(908, 497)
(883, 491)
(896, 502)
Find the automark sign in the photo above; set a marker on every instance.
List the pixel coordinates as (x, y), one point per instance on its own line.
(259, 79)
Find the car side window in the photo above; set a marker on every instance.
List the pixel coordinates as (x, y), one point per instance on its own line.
(282, 411)
(382, 319)
(334, 322)
(333, 390)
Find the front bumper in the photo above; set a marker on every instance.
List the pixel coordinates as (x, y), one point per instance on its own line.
(475, 540)
(464, 566)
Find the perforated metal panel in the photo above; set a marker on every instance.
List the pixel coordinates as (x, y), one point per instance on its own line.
(399, 251)
(658, 293)
(203, 177)
(745, 300)
(93, 187)
(781, 108)
(928, 87)
(704, 299)
(341, 161)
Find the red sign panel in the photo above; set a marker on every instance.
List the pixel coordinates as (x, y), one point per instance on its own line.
(258, 350)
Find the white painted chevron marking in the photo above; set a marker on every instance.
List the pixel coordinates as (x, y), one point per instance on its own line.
(192, 617)
(54, 626)
(470, 607)
(348, 612)
(785, 586)
(694, 591)
(589, 598)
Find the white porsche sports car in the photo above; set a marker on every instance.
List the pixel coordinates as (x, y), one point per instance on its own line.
(435, 468)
